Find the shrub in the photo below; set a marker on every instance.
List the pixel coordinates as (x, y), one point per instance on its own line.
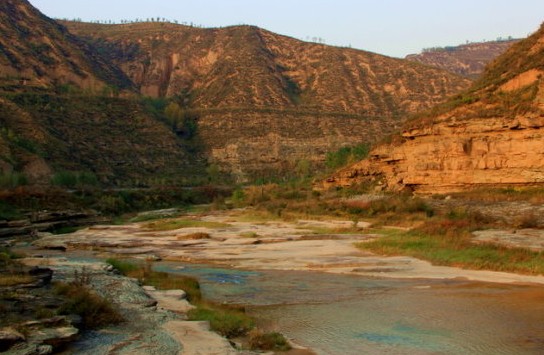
(528, 220)
(94, 310)
(11, 180)
(267, 341)
(72, 179)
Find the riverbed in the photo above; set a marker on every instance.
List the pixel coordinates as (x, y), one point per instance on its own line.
(310, 282)
(345, 314)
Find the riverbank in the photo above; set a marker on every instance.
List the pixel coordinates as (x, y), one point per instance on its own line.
(230, 238)
(153, 321)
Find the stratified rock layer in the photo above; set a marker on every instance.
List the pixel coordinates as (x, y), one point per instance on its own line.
(489, 136)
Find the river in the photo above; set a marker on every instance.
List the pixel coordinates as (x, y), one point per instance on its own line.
(347, 314)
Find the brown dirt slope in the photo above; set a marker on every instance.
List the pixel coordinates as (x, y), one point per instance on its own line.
(59, 111)
(265, 101)
(468, 60)
(490, 135)
(245, 66)
(37, 51)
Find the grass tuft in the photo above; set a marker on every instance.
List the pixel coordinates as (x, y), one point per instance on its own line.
(230, 322)
(173, 224)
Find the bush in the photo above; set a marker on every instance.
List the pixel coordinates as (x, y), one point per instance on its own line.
(94, 310)
(267, 341)
(346, 155)
(11, 180)
(72, 179)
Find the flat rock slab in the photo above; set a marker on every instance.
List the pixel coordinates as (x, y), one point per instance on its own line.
(532, 239)
(171, 300)
(197, 339)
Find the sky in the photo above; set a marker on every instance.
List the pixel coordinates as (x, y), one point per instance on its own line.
(391, 27)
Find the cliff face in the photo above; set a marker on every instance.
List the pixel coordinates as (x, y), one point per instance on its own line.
(266, 101)
(468, 60)
(489, 136)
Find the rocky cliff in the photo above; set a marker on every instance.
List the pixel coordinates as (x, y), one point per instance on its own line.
(266, 101)
(468, 60)
(489, 136)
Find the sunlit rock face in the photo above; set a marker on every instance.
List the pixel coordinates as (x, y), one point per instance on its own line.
(489, 136)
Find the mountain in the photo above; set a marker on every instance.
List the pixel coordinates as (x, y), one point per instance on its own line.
(60, 111)
(468, 60)
(491, 135)
(36, 51)
(263, 101)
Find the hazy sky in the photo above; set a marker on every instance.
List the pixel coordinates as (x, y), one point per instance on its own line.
(391, 27)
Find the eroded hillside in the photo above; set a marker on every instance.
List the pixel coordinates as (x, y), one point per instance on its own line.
(468, 60)
(489, 136)
(37, 51)
(265, 100)
(65, 108)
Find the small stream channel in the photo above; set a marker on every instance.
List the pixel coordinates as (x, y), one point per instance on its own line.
(344, 314)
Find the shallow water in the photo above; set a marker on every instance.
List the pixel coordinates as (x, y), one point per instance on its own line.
(344, 314)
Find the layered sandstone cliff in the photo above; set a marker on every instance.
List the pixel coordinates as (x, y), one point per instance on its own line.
(491, 135)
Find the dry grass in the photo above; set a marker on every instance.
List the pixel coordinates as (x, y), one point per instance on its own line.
(534, 195)
(449, 242)
(15, 279)
(194, 236)
(173, 224)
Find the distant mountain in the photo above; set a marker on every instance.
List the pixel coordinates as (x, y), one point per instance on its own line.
(468, 60)
(265, 101)
(490, 135)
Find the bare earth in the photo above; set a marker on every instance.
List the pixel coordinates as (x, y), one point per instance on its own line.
(273, 245)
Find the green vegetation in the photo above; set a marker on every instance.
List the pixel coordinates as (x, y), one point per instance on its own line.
(65, 230)
(442, 236)
(268, 341)
(346, 155)
(447, 242)
(14, 202)
(173, 224)
(159, 280)
(8, 211)
(533, 195)
(72, 179)
(12, 180)
(94, 310)
(225, 320)
(123, 266)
